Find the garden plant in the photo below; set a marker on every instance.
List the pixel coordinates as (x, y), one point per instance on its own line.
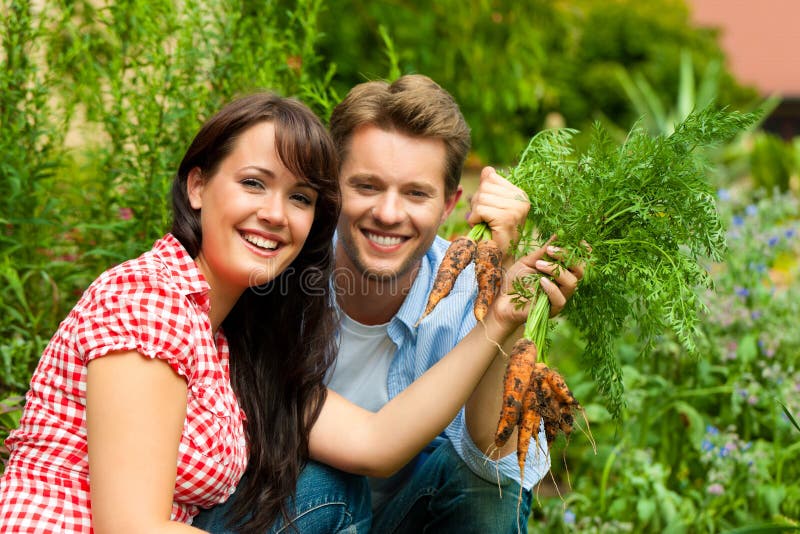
(97, 98)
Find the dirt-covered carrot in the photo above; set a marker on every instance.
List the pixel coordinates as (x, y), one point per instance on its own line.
(560, 389)
(488, 273)
(458, 255)
(515, 384)
(528, 425)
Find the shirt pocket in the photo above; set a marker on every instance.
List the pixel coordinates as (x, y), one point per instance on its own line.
(208, 420)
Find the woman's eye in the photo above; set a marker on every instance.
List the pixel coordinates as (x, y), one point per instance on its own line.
(303, 199)
(252, 183)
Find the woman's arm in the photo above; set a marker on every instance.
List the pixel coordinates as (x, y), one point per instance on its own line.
(135, 411)
(378, 444)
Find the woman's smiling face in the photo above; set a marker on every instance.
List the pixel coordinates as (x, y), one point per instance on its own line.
(255, 214)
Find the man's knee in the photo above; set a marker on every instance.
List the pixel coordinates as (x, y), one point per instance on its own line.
(326, 500)
(329, 500)
(475, 503)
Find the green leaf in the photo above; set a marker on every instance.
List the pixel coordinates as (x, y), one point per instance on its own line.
(789, 415)
(645, 508)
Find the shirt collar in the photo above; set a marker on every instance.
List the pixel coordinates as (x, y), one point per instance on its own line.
(183, 269)
(414, 304)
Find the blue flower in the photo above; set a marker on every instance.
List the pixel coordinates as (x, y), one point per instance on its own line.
(755, 315)
(707, 446)
(723, 194)
(737, 220)
(723, 452)
(751, 210)
(712, 430)
(742, 291)
(789, 233)
(569, 517)
(773, 241)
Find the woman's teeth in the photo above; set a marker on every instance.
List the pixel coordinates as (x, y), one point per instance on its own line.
(261, 242)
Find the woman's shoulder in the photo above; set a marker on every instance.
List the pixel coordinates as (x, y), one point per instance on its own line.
(154, 271)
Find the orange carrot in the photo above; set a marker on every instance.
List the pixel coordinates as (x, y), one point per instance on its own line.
(515, 384)
(551, 431)
(560, 389)
(488, 273)
(547, 404)
(458, 255)
(528, 426)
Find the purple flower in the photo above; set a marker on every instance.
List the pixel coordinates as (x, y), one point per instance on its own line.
(756, 315)
(751, 210)
(752, 400)
(772, 241)
(716, 489)
(125, 214)
(789, 233)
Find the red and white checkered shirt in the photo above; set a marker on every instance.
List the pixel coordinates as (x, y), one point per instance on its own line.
(158, 306)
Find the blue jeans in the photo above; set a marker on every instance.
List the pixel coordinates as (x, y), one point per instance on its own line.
(326, 500)
(445, 496)
(442, 496)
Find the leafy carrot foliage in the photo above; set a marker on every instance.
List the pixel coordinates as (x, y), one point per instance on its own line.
(648, 212)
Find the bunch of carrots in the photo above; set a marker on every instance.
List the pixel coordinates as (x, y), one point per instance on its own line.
(647, 209)
(533, 393)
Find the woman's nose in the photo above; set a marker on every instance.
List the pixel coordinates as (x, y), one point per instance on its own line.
(273, 211)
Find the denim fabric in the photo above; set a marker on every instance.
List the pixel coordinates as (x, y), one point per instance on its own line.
(445, 496)
(326, 501)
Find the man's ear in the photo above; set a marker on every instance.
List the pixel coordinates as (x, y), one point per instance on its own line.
(194, 188)
(450, 203)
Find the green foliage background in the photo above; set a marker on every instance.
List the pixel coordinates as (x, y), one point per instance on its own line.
(99, 100)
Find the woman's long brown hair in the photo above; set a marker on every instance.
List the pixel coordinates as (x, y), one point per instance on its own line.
(281, 335)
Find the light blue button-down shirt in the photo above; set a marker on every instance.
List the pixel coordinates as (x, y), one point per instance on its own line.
(420, 347)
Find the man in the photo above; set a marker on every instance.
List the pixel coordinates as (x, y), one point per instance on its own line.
(402, 149)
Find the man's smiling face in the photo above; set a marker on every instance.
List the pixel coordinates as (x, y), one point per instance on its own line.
(393, 202)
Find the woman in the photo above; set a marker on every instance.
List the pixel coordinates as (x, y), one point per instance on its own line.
(136, 413)
(138, 378)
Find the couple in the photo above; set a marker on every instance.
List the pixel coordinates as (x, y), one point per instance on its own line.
(203, 372)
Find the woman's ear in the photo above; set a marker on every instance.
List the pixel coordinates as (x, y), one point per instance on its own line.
(194, 188)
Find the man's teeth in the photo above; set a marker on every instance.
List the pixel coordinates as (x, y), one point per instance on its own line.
(384, 240)
(261, 242)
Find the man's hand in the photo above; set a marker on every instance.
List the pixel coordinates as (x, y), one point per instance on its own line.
(502, 206)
